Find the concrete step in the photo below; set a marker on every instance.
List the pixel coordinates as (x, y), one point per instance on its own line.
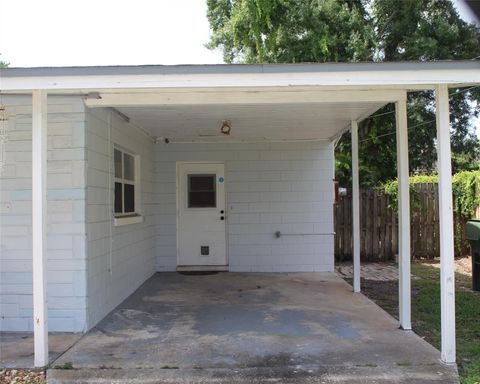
(288, 375)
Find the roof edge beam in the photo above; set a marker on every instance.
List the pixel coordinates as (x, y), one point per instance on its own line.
(407, 75)
(244, 97)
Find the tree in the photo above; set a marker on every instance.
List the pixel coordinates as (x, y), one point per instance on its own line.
(3, 64)
(290, 31)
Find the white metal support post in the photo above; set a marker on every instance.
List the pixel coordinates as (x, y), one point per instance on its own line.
(447, 279)
(404, 290)
(39, 211)
(355, 208)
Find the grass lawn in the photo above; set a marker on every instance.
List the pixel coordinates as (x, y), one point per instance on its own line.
(426, 313)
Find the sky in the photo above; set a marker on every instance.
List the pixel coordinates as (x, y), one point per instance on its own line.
(109, 32)
(104, 32)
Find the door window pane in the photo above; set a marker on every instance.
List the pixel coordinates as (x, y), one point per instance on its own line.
(129, 196)
(202, 191)
(118, 163)
(128, 167)
(118, 198)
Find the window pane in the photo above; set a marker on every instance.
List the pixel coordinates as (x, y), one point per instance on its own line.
(118, 163)
(201, 191)
(128, 167)
(129, 198)
(200, 183)
(118, 198)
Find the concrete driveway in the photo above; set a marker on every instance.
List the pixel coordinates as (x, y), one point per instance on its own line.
(239, 328)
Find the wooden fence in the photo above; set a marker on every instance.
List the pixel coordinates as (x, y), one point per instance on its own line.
(379, 226)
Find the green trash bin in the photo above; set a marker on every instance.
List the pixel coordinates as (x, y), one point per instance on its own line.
(473, 235)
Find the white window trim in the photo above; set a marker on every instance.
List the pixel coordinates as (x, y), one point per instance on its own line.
(127, 220)
(120, 219)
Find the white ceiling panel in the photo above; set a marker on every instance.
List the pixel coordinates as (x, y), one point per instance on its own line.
(249, 122)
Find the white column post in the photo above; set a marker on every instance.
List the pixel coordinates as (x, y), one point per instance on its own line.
(447, 278)
(404, 286)
(355, 208)
(39, 211)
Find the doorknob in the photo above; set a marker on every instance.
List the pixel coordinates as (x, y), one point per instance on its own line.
(222, 211)
(222, 217)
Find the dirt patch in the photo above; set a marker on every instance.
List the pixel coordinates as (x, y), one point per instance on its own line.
(463, 265)
(382, 293)
(22, 376)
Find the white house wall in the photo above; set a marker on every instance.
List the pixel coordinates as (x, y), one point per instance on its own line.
(93, 265)
(271, 187)
(66, 217)
(121, 258)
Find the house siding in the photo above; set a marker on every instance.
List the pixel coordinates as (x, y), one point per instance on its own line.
(120, 258)
(271, 187)
(66, 267)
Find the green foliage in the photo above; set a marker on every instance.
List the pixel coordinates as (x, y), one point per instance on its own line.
(465, 185)
(288, 31)
(391, 190)
(466, 192)
(3, 64)
(291, 31)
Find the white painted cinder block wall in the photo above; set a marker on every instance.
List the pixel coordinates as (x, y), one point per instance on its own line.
(121, 258)
(271, 187)
(66, 217)
(93, 265)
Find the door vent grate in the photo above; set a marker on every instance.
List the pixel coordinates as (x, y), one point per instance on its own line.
(204, 250)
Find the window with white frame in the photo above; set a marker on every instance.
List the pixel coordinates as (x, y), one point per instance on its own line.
(125, 198)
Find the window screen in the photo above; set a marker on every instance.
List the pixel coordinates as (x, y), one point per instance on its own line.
(129, 196)
(202, 191)
(118, 198)
(128, 167)
(125, 181)
(118, 164)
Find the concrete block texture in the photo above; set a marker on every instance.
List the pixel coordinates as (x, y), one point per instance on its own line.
(119, 259)
(65, 219)
(271, 187)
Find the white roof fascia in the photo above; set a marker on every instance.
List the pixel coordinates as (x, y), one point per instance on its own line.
(364, 76)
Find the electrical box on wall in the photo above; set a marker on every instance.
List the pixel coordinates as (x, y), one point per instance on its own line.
(339, 192)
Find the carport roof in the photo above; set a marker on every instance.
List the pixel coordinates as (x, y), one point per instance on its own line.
(186, 69)
(263, 102)
(407, 75)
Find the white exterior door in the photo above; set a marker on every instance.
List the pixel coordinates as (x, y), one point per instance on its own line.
(201, 215)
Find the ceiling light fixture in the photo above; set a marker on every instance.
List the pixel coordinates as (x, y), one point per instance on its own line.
(226, 127)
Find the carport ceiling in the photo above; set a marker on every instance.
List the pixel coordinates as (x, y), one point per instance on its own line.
(249, 122)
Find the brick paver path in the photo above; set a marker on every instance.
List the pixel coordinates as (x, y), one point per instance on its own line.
(370, 271)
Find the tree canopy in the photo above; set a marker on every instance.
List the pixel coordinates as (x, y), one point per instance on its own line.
(294, 31)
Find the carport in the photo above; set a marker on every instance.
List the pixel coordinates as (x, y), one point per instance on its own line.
(324, 100)
(251, 327)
